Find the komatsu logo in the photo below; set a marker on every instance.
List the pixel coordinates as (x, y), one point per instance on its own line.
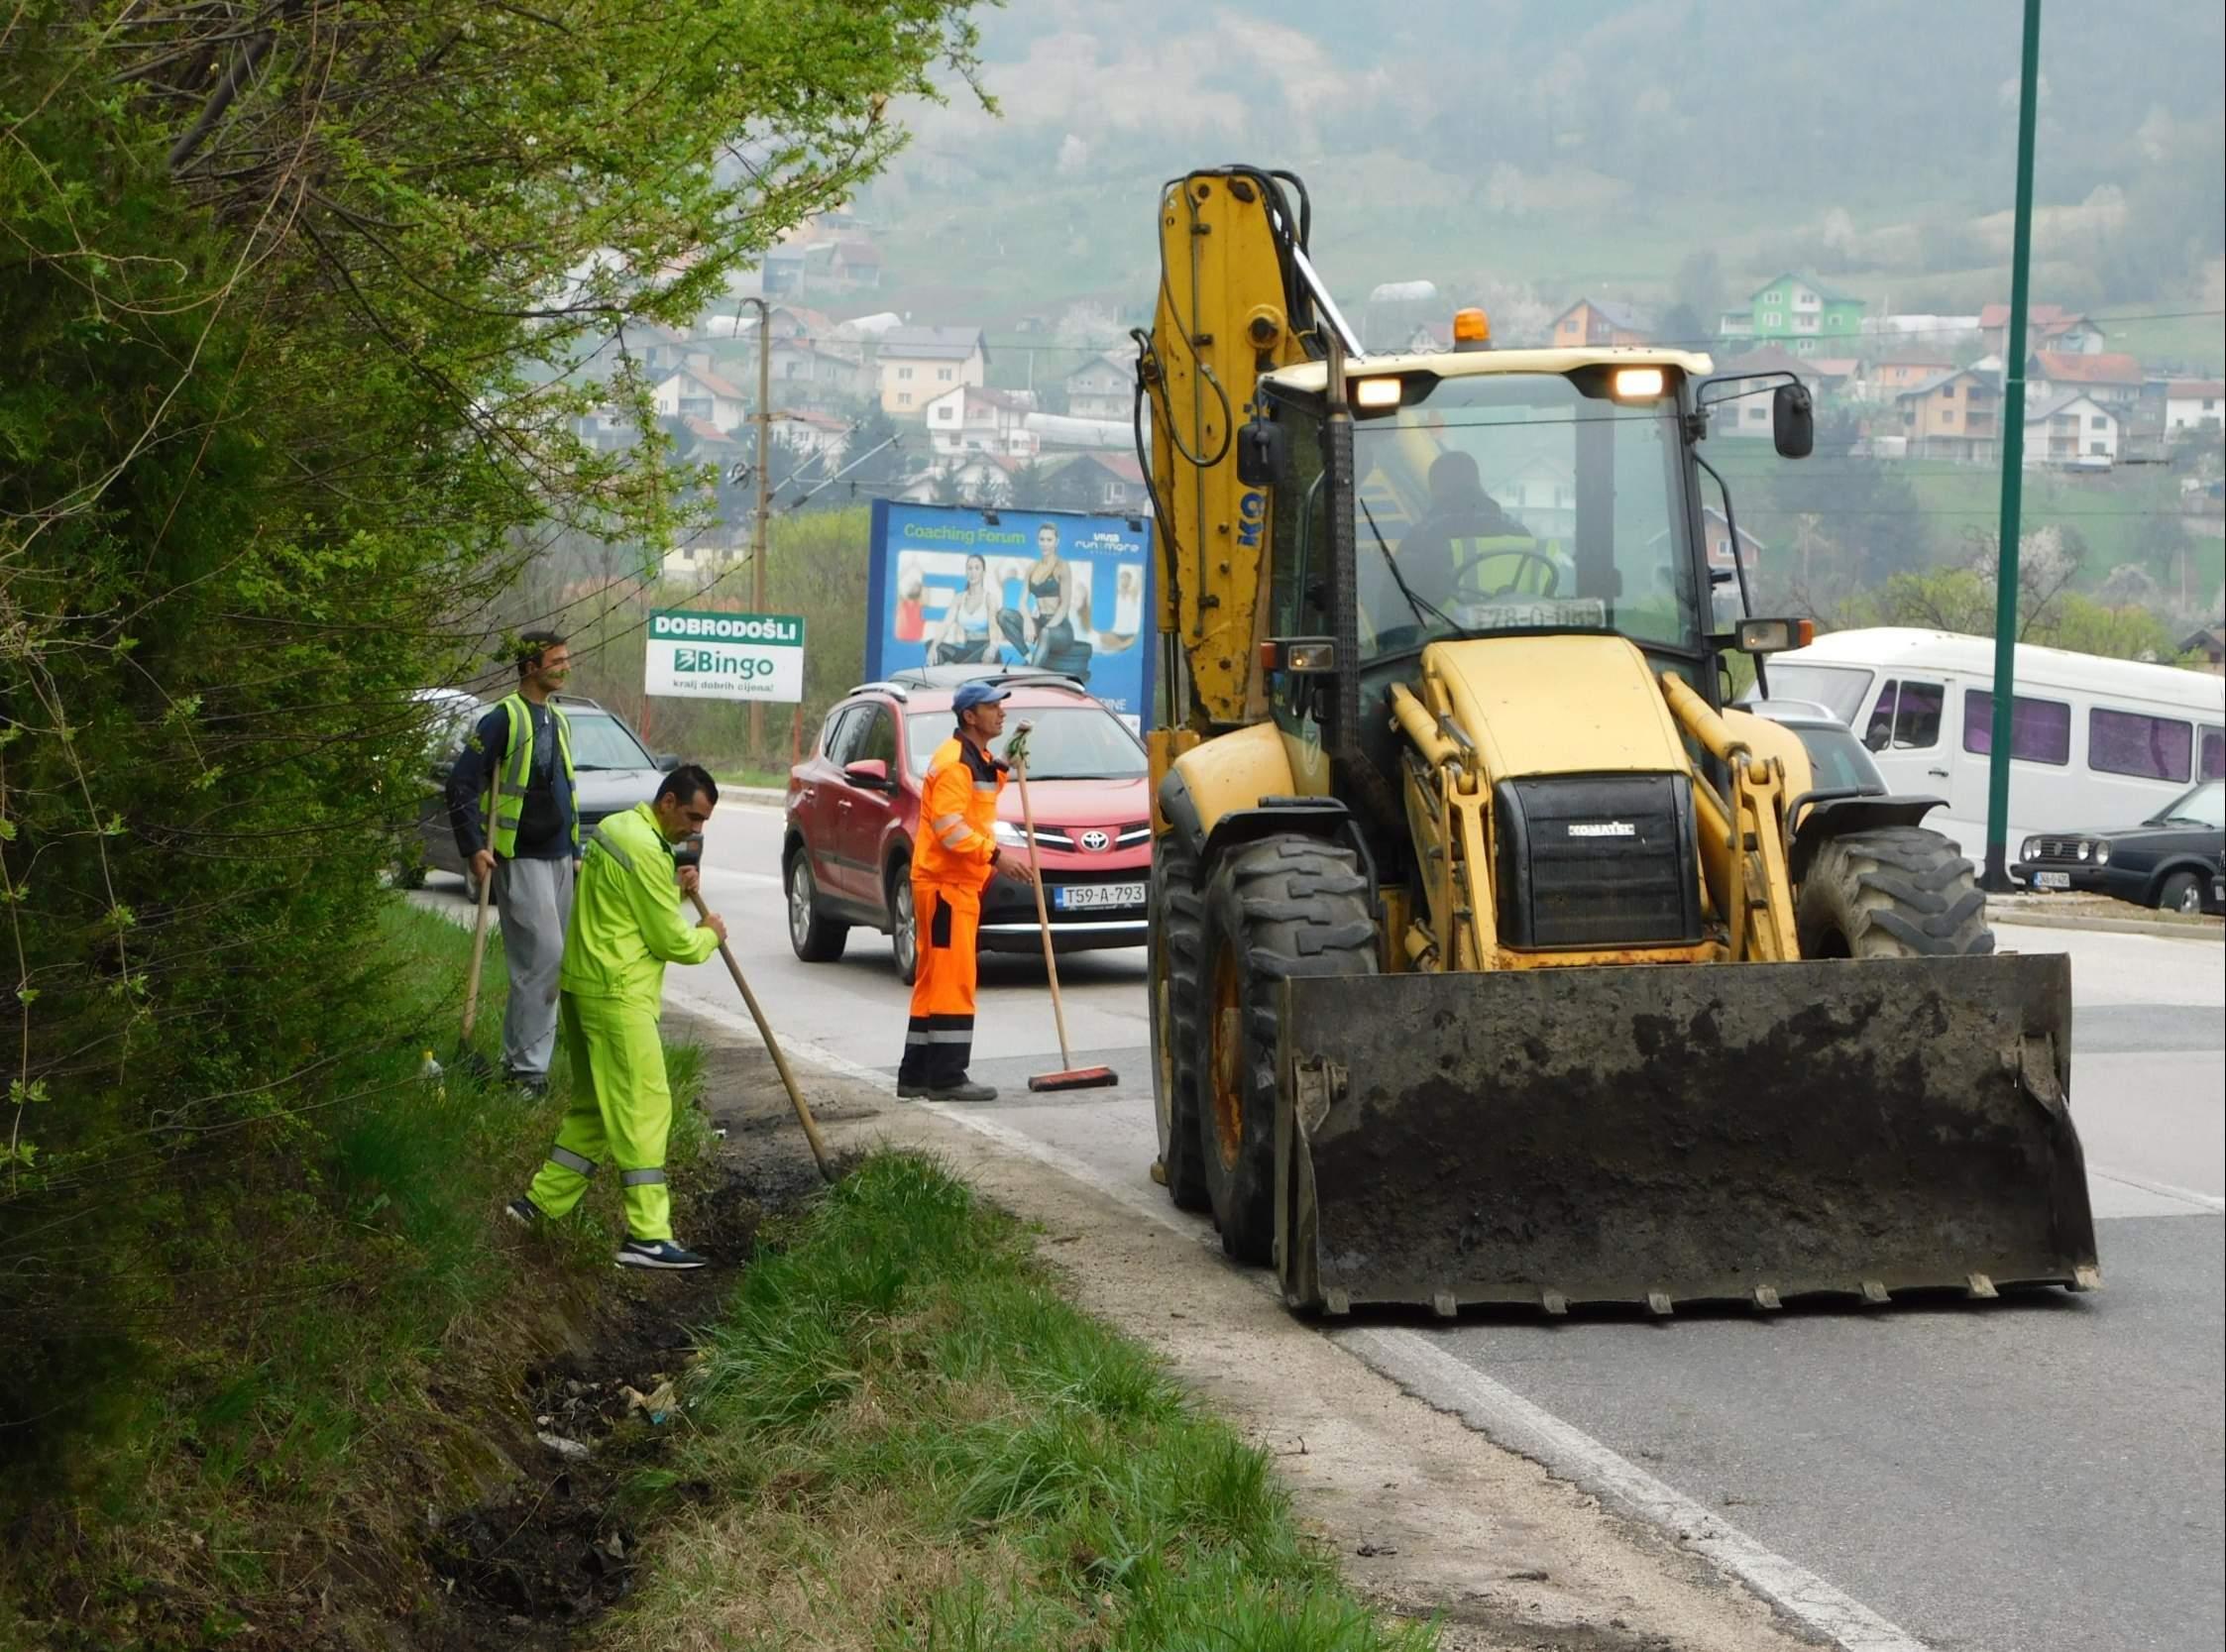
(1601, 829)
(1251, 513)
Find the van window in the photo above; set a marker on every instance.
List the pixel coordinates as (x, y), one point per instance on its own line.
(2149, 749)
(2211, 757)
(1839, 689)
(2040, 729)
(1907, 716)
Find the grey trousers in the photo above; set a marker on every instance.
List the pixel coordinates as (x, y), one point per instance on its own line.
(535, 901)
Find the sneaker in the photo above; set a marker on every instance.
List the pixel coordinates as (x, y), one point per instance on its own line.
(525, 1213)
(534, 1084)
(657, 1252)
(969, 1090)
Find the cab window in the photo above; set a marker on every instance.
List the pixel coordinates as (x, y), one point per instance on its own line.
(1906, 718)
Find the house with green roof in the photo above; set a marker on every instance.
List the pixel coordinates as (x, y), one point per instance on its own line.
(1794, 311)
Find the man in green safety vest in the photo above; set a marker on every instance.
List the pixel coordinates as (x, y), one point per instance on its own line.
(627, 925)
(531, 848)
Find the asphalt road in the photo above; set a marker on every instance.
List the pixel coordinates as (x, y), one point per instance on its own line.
(2036, 1474)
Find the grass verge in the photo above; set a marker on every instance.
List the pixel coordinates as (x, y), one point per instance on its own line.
(763, 779)
(905, 1438)
(331, 1332)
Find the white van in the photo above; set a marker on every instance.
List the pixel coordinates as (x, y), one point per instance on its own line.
(2094, 742)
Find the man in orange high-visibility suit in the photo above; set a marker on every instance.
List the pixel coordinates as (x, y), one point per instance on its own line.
(954, 858)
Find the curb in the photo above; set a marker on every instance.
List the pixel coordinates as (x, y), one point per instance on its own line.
(2106, 926)
(760, 797)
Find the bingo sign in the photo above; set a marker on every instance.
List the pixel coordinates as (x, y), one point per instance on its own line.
(696, 655)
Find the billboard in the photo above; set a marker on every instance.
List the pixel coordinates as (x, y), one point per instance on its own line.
(1057, 590)
(698, 655)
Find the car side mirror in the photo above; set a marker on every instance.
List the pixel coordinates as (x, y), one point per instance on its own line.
(666, 762)
(1874, 739)
(1793, 421)
(1261, 448)
(870, 773)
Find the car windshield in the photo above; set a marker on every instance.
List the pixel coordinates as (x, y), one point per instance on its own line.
(601, 742)
(1839, 689)
(1518, 502)
(1070, 742)
(2205, 806)
(1838, 759)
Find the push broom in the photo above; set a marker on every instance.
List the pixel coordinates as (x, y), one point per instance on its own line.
(1070, 1076)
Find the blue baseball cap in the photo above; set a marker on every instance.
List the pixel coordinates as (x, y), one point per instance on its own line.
(974, 693)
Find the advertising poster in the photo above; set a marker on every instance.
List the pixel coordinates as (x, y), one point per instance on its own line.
(696, 655)
(1059, 589)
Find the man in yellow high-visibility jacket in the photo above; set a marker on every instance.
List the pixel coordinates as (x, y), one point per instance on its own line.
(627, 925)
(957, 855)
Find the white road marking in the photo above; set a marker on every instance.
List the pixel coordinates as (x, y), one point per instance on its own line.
(1417, 1364)
(2162, 1189)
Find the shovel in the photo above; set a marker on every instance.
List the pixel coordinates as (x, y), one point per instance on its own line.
(773, 1048)
(469, 1059)
(1070, 1076)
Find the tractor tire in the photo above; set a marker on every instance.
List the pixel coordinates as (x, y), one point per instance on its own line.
(1176, 976)
(1288, 904)
(1891, 892)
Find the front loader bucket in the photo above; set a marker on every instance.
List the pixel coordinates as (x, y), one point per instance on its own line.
(1671, 1133)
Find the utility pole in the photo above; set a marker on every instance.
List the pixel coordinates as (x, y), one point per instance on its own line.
(1996, 876)
(764, 500)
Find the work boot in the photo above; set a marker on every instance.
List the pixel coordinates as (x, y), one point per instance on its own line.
(964, 1090)
(535, 1085)
(909, 1091)
(659, 1253)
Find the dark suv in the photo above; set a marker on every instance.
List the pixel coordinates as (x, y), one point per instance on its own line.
(2170, 861)
(853, 812)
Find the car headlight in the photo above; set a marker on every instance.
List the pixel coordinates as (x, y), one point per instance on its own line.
(1011, 835)
(2086, 848)
(2025, 849)
(2102, 852)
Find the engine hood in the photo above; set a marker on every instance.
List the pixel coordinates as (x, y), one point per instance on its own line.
(1558, 705)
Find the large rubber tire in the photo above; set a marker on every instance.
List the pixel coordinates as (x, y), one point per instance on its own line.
(2182, 891)
(813, 936)
(1892, 892)
(1283, 906)
(1176, 977)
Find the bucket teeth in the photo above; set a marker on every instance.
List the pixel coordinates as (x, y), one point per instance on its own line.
(1337, 1302)
(1767, 1297)
(1658, 1303)
(2086, 1279)
(1444, 1305)
(1979, 1287)
(1553, 1302)
(1874, 1292)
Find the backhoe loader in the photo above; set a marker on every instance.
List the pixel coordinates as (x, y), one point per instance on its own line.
(1495, 958)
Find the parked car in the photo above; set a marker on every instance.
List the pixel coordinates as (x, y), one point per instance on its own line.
(1839, 762)
(2171, 860)
(614, 771)
(853, 814)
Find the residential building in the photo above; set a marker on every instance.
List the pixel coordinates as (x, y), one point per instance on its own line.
(808, 432)
(2112, 378)
(919, 363)
(1102, 387)
(2071, 428)
(1900, 370)
(1108, 482)
(2210, 643)
(821, 370)
(2047, 327)
(985, 479)
(664, 350)
(855, 265)
(783, 270)
(1592, 322)
(1717, 540)
(970, 420)
(2193, 404)
(1743, 408)
(699, 393)
(795, 321)
(1797, 311)
(1953, 415)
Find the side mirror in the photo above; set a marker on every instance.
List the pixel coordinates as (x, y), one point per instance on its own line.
(666, 762)
(1774, 637)
(1793, 421)
(1875, 737)
(869, 773)
(1261, 448)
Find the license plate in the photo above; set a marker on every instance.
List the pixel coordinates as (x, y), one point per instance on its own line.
(1088, 897)
(2052, 880)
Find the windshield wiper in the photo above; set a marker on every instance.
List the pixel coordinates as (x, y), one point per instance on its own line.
(1417, 604)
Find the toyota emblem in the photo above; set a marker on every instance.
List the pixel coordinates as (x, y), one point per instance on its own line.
(1095, 841)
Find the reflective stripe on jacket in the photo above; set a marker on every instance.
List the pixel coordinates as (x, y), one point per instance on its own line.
(518, 775)
(627, 922)
(959, 815)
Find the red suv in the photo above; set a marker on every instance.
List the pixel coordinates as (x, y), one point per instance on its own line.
(853, 811)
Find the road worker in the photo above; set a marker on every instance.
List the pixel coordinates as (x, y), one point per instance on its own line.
(955, 857)
(528, 844)
(627, 925)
